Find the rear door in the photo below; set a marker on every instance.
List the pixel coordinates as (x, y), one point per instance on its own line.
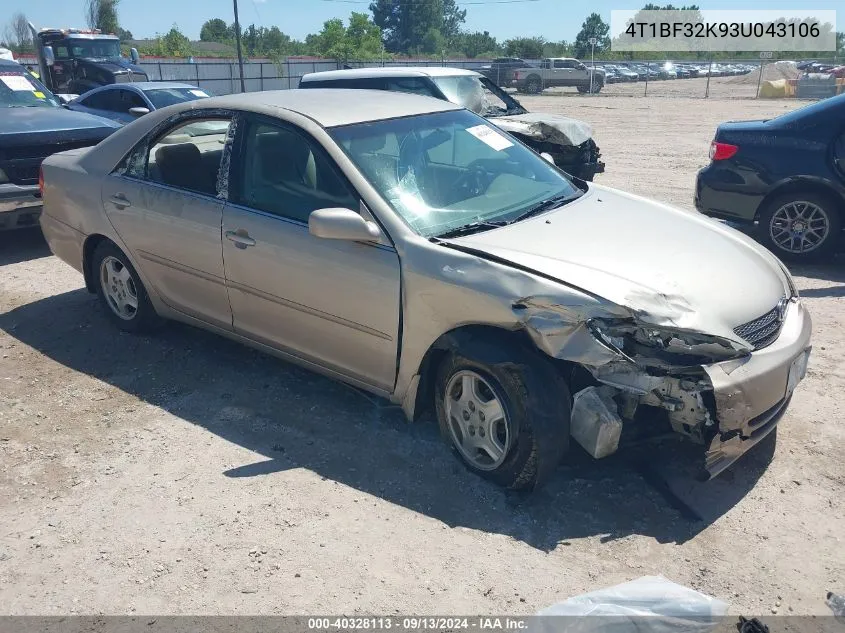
(331, 302)
(163, 202)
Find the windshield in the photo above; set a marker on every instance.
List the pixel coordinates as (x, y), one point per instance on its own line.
(94, 48)
(19, 89)
(443, 171)
(163, 97)
(470, 92)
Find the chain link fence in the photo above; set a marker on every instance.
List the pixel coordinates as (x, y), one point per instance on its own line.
(734, 79)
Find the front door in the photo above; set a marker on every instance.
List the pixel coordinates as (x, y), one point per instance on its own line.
(163, 203)
(332, 302)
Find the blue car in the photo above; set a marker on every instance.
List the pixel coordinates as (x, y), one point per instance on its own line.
(126, 102)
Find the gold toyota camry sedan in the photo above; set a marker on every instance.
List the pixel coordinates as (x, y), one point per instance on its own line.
(410, 248)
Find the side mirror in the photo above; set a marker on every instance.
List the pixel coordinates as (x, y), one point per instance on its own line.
(582, 67)
(342, 224)
(49, 56)
(139, 112)
(133, 54)
(548, 157)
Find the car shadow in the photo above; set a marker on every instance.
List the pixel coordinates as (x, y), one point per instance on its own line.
(293, 418)
(832, 270)
(21, 245)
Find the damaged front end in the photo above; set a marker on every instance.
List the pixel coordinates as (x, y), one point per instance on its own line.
(569, 141)
(648, 381)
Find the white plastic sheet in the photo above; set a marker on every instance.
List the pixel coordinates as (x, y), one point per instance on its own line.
(651, 604)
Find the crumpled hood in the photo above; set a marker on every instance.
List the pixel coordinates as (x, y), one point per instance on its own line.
(671, 267)
(543, 126)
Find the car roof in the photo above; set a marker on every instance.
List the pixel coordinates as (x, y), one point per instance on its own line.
(10, 64)
(330, 107)
(400, 71)
(147, 85)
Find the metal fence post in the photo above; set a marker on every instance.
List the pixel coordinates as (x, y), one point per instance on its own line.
(647, 73)
(197, 69)
(759, 79)
(231, 78)
(159, 72)
(261, 78)
(709, 74)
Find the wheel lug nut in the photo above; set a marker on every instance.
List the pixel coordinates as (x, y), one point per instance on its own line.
(481, 431)
(465, 415)
(472, 406)
(481, 416)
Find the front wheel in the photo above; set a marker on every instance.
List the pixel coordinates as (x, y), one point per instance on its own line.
(801, 226)
(505, 411)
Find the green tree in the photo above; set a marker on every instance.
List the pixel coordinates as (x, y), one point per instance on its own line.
(102, 14)
(173, 44)
(124, 35)
(360, 40)
(593, 27)
(411, 26)
(525, 47)
(215, 30)
(477, 44)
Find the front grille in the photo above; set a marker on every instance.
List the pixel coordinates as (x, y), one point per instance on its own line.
(762, 331)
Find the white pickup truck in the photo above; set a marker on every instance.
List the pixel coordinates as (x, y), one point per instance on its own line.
(559, 71)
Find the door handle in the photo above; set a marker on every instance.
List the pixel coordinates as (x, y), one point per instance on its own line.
(240, 237)
(120, 201)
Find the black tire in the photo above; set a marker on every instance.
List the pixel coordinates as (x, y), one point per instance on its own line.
(144, 318)
(533, 85)
(583, 90)
(536, 402)
(597, 86)
(769, 224)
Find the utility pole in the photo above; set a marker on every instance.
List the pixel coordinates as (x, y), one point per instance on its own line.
(592, 61)
(238, 40)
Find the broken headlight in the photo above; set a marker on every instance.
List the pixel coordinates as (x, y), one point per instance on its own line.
(656, 346)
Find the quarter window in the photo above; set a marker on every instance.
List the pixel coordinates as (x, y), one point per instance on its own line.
(286, 174)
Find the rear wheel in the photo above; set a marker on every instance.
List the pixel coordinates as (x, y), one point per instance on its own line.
(801, 226)
(121, 291)
(505, 411)
(533, 85)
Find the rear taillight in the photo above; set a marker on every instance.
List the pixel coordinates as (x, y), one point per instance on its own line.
(722, 151)
(41, 180)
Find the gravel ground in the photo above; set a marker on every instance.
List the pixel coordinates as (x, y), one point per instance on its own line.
(184, 474)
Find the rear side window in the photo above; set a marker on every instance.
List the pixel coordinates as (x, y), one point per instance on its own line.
(188, 155)
(364, 83)
(413, 85)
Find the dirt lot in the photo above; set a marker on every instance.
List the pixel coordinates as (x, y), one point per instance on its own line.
(181, 473)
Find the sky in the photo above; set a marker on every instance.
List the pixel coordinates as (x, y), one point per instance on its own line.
(553, 19)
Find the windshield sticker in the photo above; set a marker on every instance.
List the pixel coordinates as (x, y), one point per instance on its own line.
(17, 83)
(40, 95)
(198, 93)
(491, 137)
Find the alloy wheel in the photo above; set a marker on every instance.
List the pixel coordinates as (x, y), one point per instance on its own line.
(118, 288)
(799, 227)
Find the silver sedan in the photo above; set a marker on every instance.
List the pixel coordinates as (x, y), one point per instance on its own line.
(408, 247)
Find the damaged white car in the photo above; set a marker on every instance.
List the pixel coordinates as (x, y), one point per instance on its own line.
(569, 142)
(410, 248)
